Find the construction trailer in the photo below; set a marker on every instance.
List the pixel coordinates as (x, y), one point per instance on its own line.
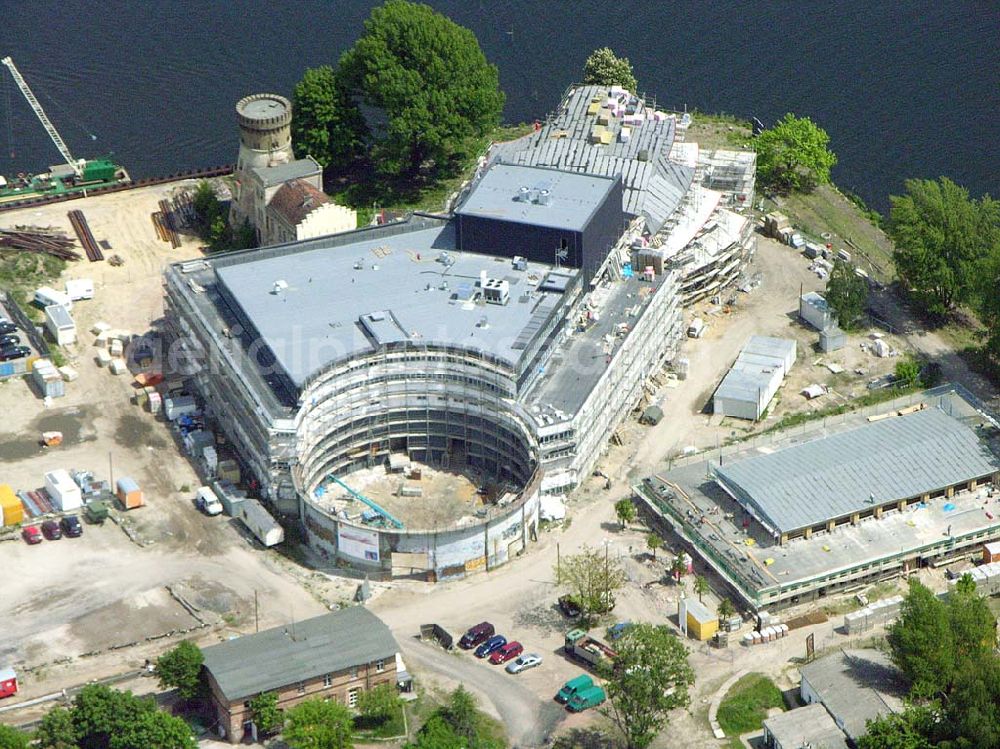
(11, 509)
(814, 309)
(696, 620)
(60, 324)
(747, 389)
(129, 493)
(63, 490)
(8, 682)
(259, 522)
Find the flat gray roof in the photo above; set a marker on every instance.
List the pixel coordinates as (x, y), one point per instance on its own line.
(281, 173)
(264, 107)
(278, 657)
(896, 458)
(653, 184)
(317, 301)
(806, 726)
(59, 316)
(856, 686)
(569, 202)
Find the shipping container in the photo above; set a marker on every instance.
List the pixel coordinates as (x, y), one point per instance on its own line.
(60, 324)
(11, 509)
(179, 405)
(260, 523)
(79, 288)
(155, 403)
(117, 366)
(129, 493)
(8, 682)
(64, 491)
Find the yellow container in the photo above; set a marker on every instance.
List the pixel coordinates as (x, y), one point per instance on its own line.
(11, 509)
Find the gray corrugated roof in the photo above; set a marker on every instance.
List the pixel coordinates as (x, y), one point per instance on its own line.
(572, 197)
(806, 726)
(280, 173)
(653, 184)
(855, 686)
(896, 458)
(746, 383)
(326, 644)
(781, 348)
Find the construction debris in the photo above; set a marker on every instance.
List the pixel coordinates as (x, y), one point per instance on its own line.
(42, 241)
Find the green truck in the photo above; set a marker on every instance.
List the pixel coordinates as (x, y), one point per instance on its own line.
(574, 685)
(96, 512)
(591, 697)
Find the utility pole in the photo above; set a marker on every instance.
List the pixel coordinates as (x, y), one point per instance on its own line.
(256, 613)
(111, 473)
(558, 565)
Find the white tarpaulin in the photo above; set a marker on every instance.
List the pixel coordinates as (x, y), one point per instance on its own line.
(552, 507)
(813, 391)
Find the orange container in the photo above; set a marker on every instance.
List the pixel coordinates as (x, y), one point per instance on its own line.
(129, 493)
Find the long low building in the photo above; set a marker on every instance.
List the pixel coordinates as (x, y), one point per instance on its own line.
(791, 517)
(752, 382)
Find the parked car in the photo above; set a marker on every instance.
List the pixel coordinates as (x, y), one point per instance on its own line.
(617, 630)
(31, 535)
(505, 653)
(574, 685)
(476, 635)
(569, 607)
(523, 663)
(7, 327)
(71, 526)
(50, 529)
(10, 339)
(494, 643)
(14, 352)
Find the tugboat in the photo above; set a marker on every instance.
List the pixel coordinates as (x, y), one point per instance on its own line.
(75, 176)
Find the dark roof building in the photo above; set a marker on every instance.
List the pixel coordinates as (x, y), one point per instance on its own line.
(333, 657)
(287, 655)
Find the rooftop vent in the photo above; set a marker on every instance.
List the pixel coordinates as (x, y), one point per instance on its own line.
(496, 291)
(523, 195)
(543, 197)
(279, 286)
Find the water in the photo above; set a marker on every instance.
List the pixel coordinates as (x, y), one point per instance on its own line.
(907, 89)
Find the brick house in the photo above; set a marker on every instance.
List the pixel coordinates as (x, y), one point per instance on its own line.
(335, 656)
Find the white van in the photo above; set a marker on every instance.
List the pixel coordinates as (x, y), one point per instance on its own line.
(46, 297)
(697, 328)
(207, 502)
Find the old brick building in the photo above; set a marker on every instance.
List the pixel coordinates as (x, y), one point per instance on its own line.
(335, 656)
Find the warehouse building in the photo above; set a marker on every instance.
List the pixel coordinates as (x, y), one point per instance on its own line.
(833, 505)
(335, 656)
(753, 380)
(809, 726)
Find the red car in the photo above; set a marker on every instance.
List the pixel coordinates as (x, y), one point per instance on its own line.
(508, 651)
(31, 535)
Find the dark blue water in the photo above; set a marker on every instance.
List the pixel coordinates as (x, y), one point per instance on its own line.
(905, 89)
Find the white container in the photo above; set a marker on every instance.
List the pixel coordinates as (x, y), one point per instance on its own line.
(155, 403)
(117, 366)
(68, 373)
(260, 523)
(100, 327)
(46, 296)
(211, 458)
(64, 491)
(103, 357)
(115, 347)
(182, 404)
(79, 288)
(60, 324)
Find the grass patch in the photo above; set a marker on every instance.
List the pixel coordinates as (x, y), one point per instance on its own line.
(871, 398)
(21, 272)
(745, 705)
(394, 725)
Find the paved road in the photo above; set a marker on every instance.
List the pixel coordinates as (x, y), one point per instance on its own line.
(528, 720)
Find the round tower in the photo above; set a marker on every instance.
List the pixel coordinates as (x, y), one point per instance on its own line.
(265, 131)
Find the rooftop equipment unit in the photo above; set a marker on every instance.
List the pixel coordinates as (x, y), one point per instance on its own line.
(279, 286)
(523, 195)
(543, 197)
(520, 263)
(496, 291)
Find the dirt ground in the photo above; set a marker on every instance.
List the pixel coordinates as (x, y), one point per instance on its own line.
(447, 497)
(69, 598)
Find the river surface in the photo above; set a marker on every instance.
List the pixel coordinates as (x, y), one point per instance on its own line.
(905, 89)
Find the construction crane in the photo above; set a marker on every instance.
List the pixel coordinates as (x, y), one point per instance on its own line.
(42, 117)
(361, 497)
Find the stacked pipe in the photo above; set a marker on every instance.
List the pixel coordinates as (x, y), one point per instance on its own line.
(35, 240)
(86, 237)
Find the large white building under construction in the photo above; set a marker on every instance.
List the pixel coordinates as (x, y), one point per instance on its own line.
(509, 339)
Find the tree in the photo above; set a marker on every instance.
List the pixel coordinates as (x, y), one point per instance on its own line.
(207, 207)
(180, 669)
(907, 372)
(701, 586)
(625, 511)
(654, 542)
(458, 724)
(793, 155)
(847, 294)
(906, 730)
(987, 298)
(377, 705)
(434, 91)
(12, 738)
(943, 242)
(726, 609)
(649, 678)
(921, 642)
(265, 714)
(325, 124)
(99, 713)
(316, 724)
(593, 577)
(56, 731)
(153, 729)
(605, 68)
(678, 567)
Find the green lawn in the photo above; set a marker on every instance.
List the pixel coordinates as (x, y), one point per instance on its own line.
(746, 704)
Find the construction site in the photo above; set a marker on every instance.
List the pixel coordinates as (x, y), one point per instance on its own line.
(890, 489)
